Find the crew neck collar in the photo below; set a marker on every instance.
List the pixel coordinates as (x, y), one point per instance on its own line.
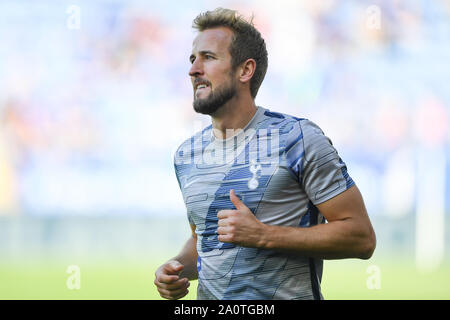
(251, 124)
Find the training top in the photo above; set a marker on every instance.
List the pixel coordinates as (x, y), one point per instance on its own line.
(281, 167)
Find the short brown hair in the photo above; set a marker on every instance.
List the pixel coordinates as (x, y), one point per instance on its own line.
(246, 43)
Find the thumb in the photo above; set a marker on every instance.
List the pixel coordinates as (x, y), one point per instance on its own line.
(174, 267)
(236, 201)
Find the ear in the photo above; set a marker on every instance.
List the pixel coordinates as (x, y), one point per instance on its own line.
(247, 70)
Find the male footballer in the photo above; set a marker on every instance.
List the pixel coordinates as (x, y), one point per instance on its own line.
(268, 198)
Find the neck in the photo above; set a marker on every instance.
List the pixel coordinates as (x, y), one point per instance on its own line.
(233, 115)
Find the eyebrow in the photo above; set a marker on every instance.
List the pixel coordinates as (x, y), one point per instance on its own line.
(203, 52)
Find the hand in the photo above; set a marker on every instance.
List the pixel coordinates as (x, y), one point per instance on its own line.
(168, 282)
(240, 226)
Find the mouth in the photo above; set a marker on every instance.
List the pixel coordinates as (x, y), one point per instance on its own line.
(201, 86)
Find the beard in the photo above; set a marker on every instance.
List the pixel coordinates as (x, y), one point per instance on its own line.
(215, 100)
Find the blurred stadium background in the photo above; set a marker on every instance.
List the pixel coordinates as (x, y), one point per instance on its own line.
(95, 98)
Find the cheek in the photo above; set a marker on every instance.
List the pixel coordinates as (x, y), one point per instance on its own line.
(218, 75)
(223, 81)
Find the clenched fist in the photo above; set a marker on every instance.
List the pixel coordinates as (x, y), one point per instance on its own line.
(168, 282)
(240, 226)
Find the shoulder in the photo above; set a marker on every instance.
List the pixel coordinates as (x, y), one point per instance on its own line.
(279, 118)
(290, 128)
(287, 125)
(300, 136)
(316, 144)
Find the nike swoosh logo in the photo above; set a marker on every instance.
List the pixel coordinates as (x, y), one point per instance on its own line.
(187, 184)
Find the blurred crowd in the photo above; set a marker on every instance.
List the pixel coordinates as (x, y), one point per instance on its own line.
(91, 114)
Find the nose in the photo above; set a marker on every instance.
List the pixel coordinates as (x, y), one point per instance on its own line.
(196, 69)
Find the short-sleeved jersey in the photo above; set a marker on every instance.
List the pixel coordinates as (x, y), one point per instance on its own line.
(281, 167)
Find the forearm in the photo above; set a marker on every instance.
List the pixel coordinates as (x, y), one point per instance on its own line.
(335, 240)
(188, 258)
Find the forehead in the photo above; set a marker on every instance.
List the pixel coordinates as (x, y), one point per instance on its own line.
(216, 40)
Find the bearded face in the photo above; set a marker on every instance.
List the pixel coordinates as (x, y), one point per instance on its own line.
(207, 100)
(212, 76)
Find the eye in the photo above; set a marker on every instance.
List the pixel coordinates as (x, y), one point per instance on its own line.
(208, 56)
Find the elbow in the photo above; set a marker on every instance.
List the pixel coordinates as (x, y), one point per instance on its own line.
(368, 246)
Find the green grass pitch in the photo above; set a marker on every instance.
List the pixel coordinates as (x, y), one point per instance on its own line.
(114, 279)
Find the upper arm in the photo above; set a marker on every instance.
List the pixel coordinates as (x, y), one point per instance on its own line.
(346, 205)
(324, 174)
(349, 207)
(315, 162)
(349, 213)
(326, 181)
